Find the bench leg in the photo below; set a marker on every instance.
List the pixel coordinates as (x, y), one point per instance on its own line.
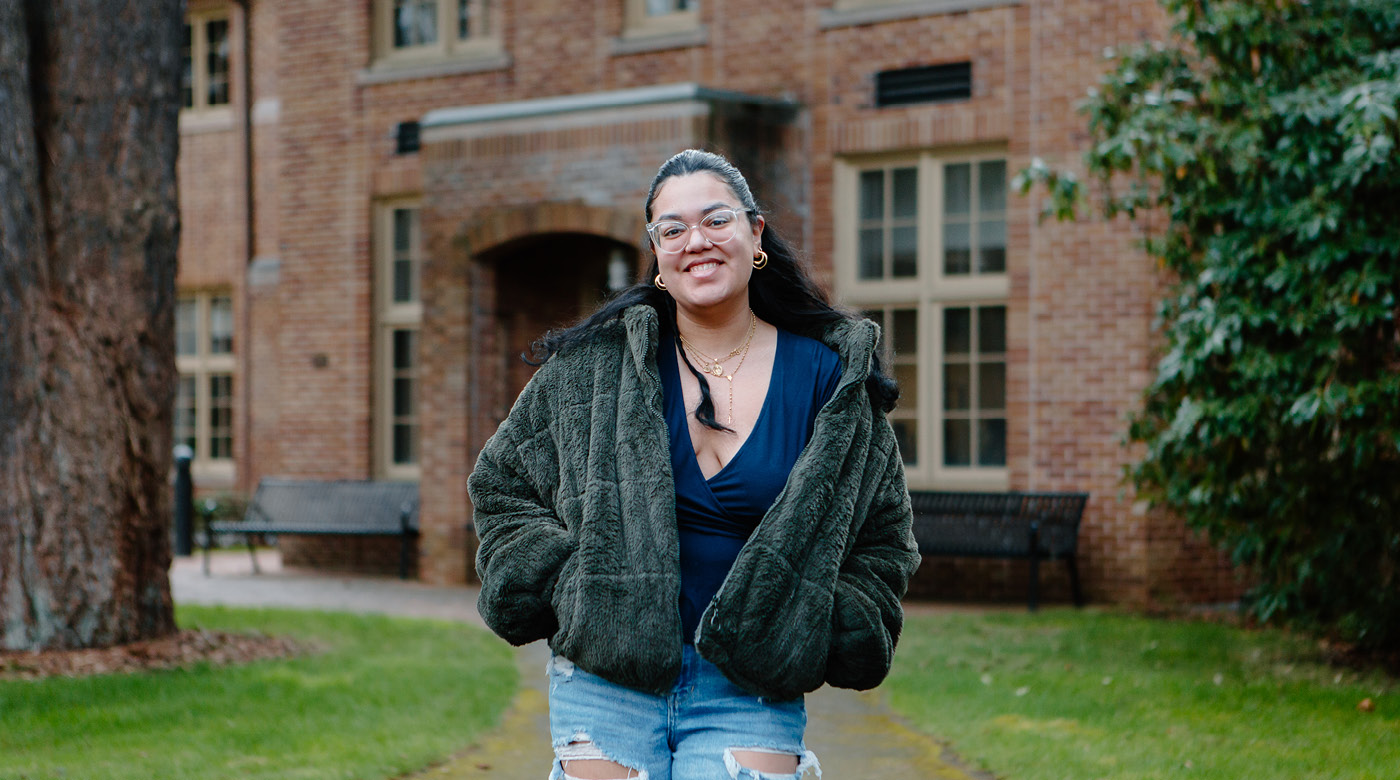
(405, 549)
(252, 553)
(1074, 580)
(208, 542)
(1034, 585)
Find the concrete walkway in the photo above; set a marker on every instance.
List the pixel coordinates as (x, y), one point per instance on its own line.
(855, 735)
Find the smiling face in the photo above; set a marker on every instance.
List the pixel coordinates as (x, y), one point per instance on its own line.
(704, 276)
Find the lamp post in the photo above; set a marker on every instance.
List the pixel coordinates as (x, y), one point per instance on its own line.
(184, 501)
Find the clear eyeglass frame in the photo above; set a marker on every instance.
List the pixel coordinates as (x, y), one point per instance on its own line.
(717, 227)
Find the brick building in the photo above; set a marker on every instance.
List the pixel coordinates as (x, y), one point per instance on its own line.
(385, 201)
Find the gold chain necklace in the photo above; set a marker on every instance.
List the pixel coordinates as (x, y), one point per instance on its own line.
(716, 367)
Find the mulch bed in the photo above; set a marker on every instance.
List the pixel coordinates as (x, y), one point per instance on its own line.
(183, 648)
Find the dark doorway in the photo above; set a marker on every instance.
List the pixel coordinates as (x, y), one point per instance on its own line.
(549, 281)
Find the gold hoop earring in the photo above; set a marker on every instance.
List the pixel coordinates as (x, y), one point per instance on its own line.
(660, 285)
(760, 260)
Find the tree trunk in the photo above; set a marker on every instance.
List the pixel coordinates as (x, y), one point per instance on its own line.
(89, 223)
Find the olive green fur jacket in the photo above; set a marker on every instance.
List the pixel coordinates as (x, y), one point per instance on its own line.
(575, 505)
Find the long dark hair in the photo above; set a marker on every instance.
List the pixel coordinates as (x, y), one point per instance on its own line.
(782, 293)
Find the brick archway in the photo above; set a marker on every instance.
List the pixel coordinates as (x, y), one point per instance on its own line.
(472, 337)
(510, 287)
(496, 227)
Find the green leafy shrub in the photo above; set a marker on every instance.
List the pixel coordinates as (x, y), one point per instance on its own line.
(1266, 133)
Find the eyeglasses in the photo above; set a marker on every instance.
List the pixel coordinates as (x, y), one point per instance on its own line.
(717, 227)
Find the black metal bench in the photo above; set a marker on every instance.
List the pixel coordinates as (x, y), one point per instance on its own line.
(1033, 526)
(339, 508)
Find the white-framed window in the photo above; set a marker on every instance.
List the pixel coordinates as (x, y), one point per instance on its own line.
(659, 17)
(205, 62)
(921, 249)
(416, 31)
(399, 317)
(205, 360)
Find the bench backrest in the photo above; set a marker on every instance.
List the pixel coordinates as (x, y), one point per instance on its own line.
(341, 504)
(954, 523)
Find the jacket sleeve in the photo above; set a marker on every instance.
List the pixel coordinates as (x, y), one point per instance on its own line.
(524, 544)
(866, 615)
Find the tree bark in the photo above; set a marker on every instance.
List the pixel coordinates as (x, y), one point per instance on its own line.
(89, 224)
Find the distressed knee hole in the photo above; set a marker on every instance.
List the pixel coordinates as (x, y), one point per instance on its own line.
(583, 760)
(762, 762)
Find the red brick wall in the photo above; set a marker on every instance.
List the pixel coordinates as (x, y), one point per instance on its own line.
(1081, 297)
(358, 554)
(261, 318)
(323, 347)
(211, 208)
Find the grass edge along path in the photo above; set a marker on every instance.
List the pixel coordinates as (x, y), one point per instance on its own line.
(1093, 694)
(384, 696)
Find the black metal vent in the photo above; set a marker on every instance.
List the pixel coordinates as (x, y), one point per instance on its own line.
(407, 138)
(924, 84)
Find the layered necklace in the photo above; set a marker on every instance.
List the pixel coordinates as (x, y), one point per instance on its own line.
(715, 366)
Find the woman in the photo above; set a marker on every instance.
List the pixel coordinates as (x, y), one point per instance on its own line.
(700, 547)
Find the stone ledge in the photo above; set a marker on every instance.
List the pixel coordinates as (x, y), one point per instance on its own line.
(857, 15)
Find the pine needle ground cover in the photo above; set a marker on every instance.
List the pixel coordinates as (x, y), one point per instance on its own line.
(1081, 695)
(380, 697)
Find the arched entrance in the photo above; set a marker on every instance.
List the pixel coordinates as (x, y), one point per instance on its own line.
(509, 274)
(543, 282)
(529, 269)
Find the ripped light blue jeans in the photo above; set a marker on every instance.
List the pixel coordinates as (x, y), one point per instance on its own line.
(690, 733)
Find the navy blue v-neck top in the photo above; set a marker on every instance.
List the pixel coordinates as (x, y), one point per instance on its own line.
(715, 516)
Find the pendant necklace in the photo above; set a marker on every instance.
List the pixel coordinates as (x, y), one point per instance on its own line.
(715, 366)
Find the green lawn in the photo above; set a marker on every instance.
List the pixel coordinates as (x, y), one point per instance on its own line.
(387, 696)
(1066, 695)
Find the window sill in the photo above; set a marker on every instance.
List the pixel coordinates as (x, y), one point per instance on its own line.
(401, 474)
(855, 13)
(213, 474)
(977, 480)
(642, 40)
(206, 120)
(388, 71)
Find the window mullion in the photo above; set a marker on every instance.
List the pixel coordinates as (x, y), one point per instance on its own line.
(884, 225)
(974, 220)
(385, 398)
(447, 26)
(205, 399)
(202, 450)
(383, 262)
(974, 372)
(204, 348)
(930, 353)
(930, 211)
(384, 26)
(415, 243)
(199, 52)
